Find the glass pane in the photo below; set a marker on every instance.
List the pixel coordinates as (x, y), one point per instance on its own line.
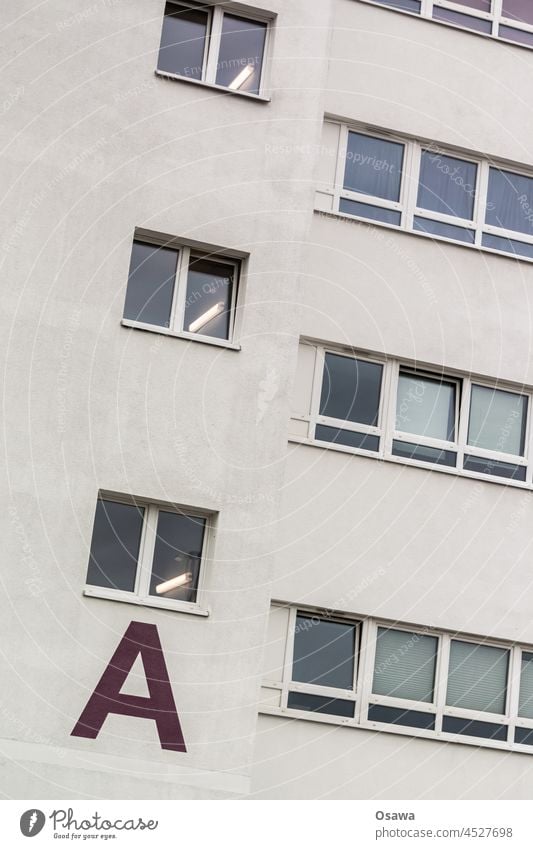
(459, 20)
(405, 665)
(351, 389)
(510, 246)
(510, 201)
(115, 545)
(183, 41)
(366, 210)
(485, 466)
(481, 5)
(177, 556)
(447, 231)
(350, 438)
(447, 184)
(404, 5)
(518, 10)
(399, 716)
(240, 58)
(474, 728)
(525, 703)
(208, 301)
(320, 704)
(150, 284)
(323, 652)
(477, 677)
(423, 453)
(426, 406)
(521, 36)
(373, 166)
(524, 736)
(497, 420)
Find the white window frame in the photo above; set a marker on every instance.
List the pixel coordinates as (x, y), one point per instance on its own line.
(406, 205)
(386, 430)
(141, 592)
(186, 254)
(215, 20)
(495, 17)
(364, 663)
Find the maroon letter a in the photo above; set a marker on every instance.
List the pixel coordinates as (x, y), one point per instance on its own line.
(142, 639)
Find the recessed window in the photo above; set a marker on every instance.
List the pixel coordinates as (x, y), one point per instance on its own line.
(477, 677)
(182, 291)
(405, 664)
(146, 551)
(351, 395)
(447, 187)
(213, 45)
(426, 407)
(373, 170)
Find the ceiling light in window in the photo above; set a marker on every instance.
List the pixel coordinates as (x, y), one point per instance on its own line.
(174, 583)
(206, 317)
(241, 78)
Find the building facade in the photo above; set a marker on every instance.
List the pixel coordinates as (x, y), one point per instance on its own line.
(267, 400)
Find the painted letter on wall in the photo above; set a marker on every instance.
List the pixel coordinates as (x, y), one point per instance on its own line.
(140, 638)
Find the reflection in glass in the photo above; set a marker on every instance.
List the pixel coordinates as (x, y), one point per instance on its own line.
(351, 389)
(510, 201)
(150, 284)
(240, 58)
(477, 677)
(177, 556)
(373, 166)
(183, 41)
(324, 652)
(497, 420)
(447, 184)
(208, 299)
(426, 406)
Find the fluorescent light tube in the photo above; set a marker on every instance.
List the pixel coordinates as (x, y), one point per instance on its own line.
(198, 323)
(241, 78)
(174, 583)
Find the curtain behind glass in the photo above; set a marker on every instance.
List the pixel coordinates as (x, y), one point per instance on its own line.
(373, 166)
(525, 704)
(497, 420)
(447, 184)
(510, 201)
(425, 407)
(477, 677)
(405, 665)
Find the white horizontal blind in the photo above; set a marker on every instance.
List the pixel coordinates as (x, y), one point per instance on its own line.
(405, 665)
(477, 677)
(525, 703)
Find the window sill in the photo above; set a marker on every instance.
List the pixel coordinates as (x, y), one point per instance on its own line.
(404, 461)
(161, 604)
(180, 334)
(179, 78)
(392, 228)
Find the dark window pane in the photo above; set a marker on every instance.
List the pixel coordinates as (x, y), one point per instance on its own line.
(447, 184)
(351, 389)
(183, 41)
(366, 210)
(405, 665)
(350, 438)
(426, 406)
(518, 10)
(399, 716)
(509, 246)
(373, 166)
(474, 728)
(524, 736)
(510, 201)
(115, 545)
(177, 556)
(518, 35)
(480, 5)
(404, 5)
(497, 420)
(240, 58)
(150, 284)
(208, 303)
(477, 677)
(321, 704)
(484, 466)
(466, 21)
(447, 231)
(323, 652)
(525, 705)
(424, 453)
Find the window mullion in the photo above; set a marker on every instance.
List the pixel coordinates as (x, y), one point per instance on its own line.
(441, 680)
(340, 165)
(180, 291)
(513, 696)
(389, 419)
(496, 15)
(481, 203)
(147, 552)
(410, 177)
(214, 44)
(464, 413)
(368, 651)
(289, 654)
(316, 393)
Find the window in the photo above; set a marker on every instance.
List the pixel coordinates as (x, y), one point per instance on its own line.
(181, 291)
(213, 45)
(388, 409)
(350, 397)
(146, 553)
(328, 667)
(428, 190)
(510, 20)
